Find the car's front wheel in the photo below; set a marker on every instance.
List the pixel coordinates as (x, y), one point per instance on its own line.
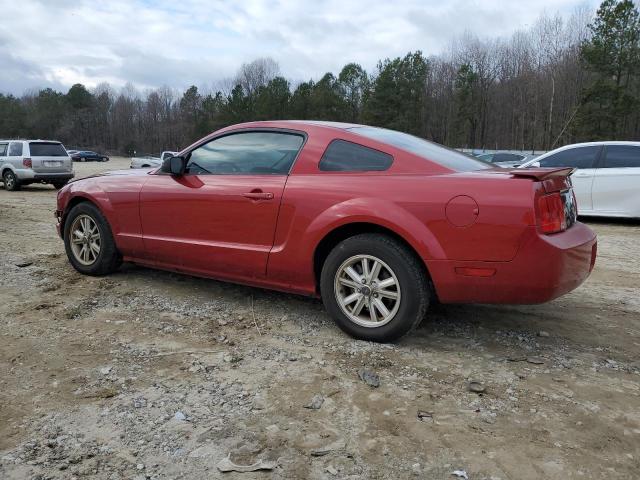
(374, 287)
(89, 242)
(11, 181)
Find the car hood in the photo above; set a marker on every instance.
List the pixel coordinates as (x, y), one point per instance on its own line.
(134, 172)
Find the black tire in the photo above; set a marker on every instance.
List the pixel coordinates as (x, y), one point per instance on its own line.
(11, 181)
(108, 259)
(411, 275)
(59, 185)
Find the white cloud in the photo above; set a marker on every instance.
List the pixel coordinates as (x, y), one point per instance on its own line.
(155, 42)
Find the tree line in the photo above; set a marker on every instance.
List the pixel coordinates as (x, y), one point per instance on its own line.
(563, 80)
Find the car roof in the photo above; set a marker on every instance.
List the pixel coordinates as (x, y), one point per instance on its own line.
(298, 123)
(583, 144)
(25, 140)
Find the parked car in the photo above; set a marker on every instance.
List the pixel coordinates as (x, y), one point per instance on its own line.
(151, 162)
(506, 159)
(23, 162)
(377, 222)
(88, 156)
(607, 177)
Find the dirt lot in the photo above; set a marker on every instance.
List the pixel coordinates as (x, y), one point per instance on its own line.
(147, 374)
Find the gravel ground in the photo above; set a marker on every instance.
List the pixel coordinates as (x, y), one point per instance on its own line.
(148, 374)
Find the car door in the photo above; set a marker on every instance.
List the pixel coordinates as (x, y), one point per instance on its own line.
(583, 158)
(219, 218)
(616, 186)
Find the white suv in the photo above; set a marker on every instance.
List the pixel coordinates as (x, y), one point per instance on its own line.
(34, 161)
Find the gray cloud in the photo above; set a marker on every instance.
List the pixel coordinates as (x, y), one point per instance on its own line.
(157, 42)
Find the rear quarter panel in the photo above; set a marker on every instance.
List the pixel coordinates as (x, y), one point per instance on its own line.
(411, 205)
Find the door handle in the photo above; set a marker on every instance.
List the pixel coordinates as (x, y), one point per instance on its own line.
(258, 195)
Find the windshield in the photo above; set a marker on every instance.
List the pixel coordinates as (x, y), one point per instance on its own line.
(444, 156)
(44, 149)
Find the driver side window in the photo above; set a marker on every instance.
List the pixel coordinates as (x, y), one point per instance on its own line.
(248, 153)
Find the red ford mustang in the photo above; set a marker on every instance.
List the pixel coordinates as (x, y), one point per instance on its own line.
(377, 222)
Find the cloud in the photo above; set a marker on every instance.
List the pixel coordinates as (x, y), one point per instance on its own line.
(162, 42)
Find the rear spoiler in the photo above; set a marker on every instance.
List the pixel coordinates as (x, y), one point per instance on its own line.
(541, 173)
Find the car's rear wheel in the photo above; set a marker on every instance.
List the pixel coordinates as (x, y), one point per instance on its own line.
(374, 287)
(11, 181)
(89, 242)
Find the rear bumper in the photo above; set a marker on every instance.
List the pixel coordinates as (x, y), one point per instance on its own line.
(545, 267)
(31, 176)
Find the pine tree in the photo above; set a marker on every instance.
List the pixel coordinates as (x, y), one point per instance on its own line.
(613, 56)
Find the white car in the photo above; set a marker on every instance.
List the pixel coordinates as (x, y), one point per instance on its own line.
(151, 162)
(607, 179)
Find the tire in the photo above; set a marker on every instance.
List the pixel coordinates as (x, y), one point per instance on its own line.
(11, 181)
(108, 259)
(82, 159)
(59, 185)
(397, 263)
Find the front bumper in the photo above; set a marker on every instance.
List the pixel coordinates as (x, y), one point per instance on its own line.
(545, 267)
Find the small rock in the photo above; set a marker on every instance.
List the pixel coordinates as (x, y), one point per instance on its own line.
(415, 468)
(516, 358)
(140, 466)
(542, 333)
(460, 474)
(422, 415)
(331, 469)
(316, 402)
(370, 378)
(535, 360)
(23, 264)
(106, 370)
(476, 387)
(180, 416)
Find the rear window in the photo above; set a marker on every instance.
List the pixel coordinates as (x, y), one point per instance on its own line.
(44, 149)
(343, 156)
(3, 149)
(423, 148)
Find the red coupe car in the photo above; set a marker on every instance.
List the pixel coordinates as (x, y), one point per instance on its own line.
(376, 222)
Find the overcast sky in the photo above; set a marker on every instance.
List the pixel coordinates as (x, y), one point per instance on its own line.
(178, 43)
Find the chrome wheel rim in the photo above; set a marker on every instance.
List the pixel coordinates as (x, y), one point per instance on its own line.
(85, 239)
(367, 291)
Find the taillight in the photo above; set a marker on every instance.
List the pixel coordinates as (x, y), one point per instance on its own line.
(26, 162)
(551, 215)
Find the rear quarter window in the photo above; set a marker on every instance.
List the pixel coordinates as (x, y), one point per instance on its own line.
(15, 149)
(344, 156)
(44, 149)
(3, 149)
(446, 157)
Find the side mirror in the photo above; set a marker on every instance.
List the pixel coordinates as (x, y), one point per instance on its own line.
(534, 165)
(176, 166)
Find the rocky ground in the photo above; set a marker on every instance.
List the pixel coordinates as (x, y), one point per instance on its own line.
(148, 374)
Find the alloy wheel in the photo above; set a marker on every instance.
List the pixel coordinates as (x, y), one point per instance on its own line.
(367, 291)
(85, 239)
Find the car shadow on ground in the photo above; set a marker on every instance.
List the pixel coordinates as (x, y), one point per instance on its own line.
(446, 327)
